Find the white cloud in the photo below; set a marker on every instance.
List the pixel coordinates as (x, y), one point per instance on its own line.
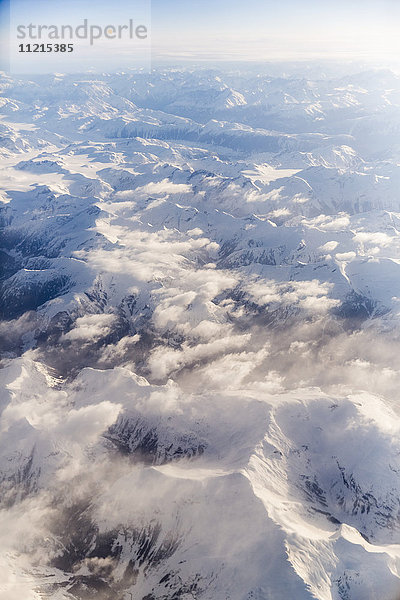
(329, 246)
(338, 222)
(379, 238)
(164, 187)
(345, 256)
(194, 232)
(91, 327)
(84, 425)
(312, 296)
(164, 361)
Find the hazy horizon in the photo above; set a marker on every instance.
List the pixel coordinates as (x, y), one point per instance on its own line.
(199, 32)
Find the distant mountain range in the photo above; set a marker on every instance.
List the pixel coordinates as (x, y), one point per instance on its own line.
(200, 299)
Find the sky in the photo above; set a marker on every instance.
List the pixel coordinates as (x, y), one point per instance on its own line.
(226, 30)
(265, 29)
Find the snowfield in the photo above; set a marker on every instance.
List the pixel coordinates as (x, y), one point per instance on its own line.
(200, 300)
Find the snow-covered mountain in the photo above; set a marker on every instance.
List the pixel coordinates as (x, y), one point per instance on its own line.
(199, 296)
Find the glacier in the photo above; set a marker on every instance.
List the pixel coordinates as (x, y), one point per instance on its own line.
(199, 303)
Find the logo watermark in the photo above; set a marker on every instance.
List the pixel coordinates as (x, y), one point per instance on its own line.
(52, 37)
(85, 31)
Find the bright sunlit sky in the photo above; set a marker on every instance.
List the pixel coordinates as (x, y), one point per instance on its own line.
(265, 29)
(257, 30)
